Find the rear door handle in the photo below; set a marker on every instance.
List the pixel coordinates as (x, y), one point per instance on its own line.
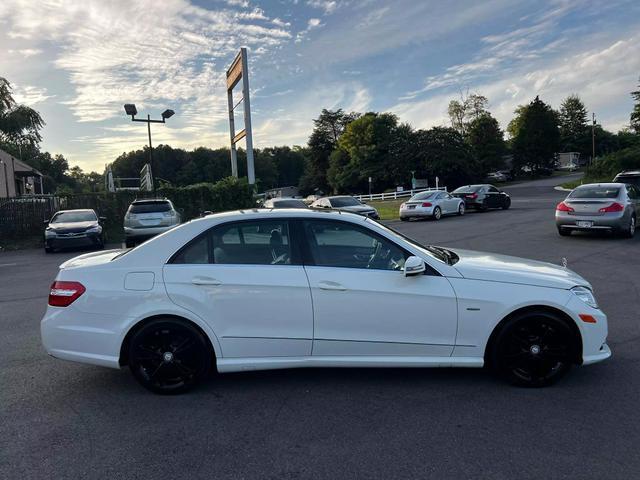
(331, 286)
(205, 281)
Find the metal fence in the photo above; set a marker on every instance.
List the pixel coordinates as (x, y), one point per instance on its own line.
(396, 195)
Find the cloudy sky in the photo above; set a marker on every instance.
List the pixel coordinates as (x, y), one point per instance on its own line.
(78, 62)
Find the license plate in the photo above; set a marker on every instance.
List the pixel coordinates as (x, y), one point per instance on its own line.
(149, 223)
(584, 224)
(411, 207)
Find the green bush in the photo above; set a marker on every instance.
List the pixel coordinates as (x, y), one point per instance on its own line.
(606, 168)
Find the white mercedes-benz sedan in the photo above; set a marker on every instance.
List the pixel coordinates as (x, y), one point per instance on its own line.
(259, 289)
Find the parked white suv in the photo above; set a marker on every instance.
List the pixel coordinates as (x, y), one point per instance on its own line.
(147, 218)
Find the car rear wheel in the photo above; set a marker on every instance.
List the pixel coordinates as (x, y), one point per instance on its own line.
(630, 231)
(437, 213)
(48, 250)
(404, 219)
(483, 206)
(168, 356)
(533, 350)
(564, 232)
(461, 209)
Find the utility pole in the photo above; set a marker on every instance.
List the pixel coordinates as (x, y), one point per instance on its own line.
(593, 137)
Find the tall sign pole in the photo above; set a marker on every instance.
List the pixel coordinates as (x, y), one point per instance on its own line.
(239, 70)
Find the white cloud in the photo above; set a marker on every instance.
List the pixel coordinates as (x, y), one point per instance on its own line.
(328, 6)
(30, 95)
(25, 52)
(312, 24)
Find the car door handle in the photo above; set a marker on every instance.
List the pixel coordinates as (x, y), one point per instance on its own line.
(205, 281)
(331, 286)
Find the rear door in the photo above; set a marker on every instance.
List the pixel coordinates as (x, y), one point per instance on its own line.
(247, 281)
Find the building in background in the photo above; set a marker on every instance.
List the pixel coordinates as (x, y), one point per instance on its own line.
(17, 178)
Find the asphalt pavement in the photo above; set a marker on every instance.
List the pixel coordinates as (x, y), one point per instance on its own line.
(65, 420)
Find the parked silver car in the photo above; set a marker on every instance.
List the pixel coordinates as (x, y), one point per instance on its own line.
(431, 204)
(146, 218)
(284, 202)
(600, 206)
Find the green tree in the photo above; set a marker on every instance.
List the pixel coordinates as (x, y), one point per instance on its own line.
(635, 114)
(19, 124)
(445, 154)
(462, 112)
(516, 122)
(538, 137)
(327, 129)
(487, 144)
(575, 135)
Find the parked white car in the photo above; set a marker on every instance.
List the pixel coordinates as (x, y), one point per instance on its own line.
(431, 204)
(265, 289)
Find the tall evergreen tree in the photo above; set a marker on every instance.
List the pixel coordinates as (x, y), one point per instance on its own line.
(635, 114)
(538, 137)
(574, 132)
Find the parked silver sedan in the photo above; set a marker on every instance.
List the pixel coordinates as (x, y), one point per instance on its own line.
(611, 207)
(431, 204)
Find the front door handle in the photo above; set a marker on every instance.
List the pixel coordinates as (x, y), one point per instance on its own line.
(205, 281)
(331, 286)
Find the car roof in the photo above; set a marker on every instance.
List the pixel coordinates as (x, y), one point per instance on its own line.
(339, 196)
(606, 184)
(257, 213)
(149, 200)
(629, 173)
(77, 210)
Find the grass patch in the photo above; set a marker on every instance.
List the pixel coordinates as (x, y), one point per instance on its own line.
(388, 209)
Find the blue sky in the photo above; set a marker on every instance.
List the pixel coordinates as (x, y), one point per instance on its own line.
(78, 62)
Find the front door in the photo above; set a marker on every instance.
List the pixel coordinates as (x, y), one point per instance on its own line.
(246, 280)
(364, 305)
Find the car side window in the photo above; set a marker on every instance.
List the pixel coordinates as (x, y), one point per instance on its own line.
(342, 244)
(493, 190)
(632, 192)
(243, 243)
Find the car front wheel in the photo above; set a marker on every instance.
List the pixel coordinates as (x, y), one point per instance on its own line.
(533, 350)
(461, 209)
(168, 356)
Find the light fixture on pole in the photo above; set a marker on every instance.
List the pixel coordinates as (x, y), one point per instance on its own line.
(131, 110)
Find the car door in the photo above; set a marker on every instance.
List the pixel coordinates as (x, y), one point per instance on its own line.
(452, 203)
(364, 304)
(494, 199)
(247, 281)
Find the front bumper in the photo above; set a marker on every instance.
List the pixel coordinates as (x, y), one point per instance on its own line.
(76, 241)
(594, 335)
(607, 221)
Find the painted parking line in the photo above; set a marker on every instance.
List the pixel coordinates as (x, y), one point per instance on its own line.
(8, 264)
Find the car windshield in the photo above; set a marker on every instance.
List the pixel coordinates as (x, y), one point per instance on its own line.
(71, 217)
(595, 192)
(468, 189)
(149, 207)
(344, 202)
(291, 203)
(422, 196)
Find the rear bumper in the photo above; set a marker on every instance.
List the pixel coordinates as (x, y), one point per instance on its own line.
(416, 212)
(145, 232)
(607, 221)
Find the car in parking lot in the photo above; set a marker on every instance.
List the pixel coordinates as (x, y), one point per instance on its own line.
(611, 207)
(147, 218)
(285, 202)
(267, 289)
(497, 177)
(483, 197)
(73, 228)
(348, 204)
(628, 176)
(431, 204)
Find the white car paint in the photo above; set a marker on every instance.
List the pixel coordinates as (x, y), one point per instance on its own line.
(282, 316)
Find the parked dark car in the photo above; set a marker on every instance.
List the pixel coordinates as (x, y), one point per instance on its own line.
(286, 202)
(482, 197)
(73, 229)
(632, 177)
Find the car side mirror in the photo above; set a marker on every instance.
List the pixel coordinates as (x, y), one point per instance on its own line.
(102, 219)
(414, 266)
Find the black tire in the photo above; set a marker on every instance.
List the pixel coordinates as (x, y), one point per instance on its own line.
(404, 219)
(168, 356)
(630, 230)
(130, 243)
(535, 349)
(461, 209)
(437, 213)
(48, 250)
(506, 204)
(564, 232)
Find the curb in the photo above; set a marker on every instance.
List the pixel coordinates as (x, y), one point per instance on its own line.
(562, 189)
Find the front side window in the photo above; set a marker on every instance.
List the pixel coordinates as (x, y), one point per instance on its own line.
(341, 244)
(243, 243)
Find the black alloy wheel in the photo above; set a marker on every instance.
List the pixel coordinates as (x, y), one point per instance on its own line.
(168, 356)
(534, 350)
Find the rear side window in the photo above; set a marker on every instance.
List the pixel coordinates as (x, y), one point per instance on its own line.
(632, 179)
(595, 192)
(150, 207)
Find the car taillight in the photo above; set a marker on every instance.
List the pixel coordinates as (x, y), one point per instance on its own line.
(614, 207)
(63, 294)
(563, 207)
(473, 196)
(426, 204)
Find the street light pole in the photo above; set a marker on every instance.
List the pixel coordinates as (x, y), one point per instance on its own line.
(150, 151)
(593, 137)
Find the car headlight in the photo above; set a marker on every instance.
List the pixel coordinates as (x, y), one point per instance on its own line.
(49, 233)
(96, 229)
(586, 295)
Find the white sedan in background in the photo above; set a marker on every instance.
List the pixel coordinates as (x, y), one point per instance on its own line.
(431, 204)
(262, 289)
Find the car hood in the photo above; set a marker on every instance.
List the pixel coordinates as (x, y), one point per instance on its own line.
(358, 208)
(73, 226)
(503, 268)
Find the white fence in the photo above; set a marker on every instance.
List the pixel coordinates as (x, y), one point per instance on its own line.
(396, 195)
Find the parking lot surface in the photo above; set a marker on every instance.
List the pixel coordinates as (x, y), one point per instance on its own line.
(65, 420)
